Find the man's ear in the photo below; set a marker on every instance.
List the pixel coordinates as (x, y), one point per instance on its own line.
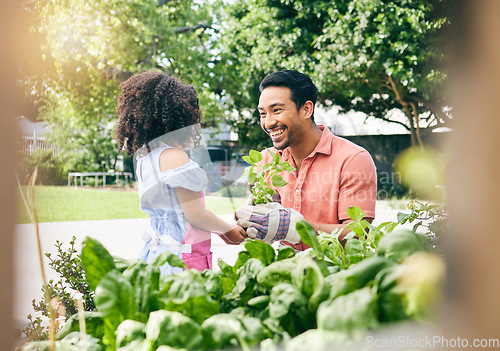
(308, 109)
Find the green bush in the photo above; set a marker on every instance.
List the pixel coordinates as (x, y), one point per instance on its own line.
(50, 168)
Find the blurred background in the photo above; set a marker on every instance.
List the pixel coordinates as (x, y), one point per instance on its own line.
(415, 83)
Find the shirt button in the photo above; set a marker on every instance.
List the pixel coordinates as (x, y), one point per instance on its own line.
(297, 191)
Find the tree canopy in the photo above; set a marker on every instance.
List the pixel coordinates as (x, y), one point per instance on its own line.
(373, 56)
(87, 48)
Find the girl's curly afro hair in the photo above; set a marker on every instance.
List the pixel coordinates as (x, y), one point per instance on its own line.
(150, 105)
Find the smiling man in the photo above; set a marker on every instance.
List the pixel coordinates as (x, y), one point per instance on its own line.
(332, 173)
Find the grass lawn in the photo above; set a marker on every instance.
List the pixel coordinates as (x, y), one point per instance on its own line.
(62, 203)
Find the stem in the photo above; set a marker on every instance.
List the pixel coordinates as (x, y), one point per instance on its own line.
(81, 321)
(34, 218)
(31, 197)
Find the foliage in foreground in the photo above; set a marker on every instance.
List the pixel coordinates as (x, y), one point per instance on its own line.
(268, 298)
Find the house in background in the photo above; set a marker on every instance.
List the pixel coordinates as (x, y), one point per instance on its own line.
(33, 136)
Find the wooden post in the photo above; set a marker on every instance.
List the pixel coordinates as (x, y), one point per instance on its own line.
(13, 30)
(472, 308)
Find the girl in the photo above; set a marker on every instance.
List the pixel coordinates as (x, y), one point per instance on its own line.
(158, 120)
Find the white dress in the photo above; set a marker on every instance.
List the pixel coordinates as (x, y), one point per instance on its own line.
(170, 230)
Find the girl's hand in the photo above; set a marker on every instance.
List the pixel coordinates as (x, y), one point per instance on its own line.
(235, 236)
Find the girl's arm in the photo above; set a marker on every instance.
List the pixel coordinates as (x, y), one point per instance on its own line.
(197, 215)
(200, 217)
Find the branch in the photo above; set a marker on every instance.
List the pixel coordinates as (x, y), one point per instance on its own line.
(392, 121)
(394, 88)
(417, 124)
(192, 29)
(163, 2)
(434, 109)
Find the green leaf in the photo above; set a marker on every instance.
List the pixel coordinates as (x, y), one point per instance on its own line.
(400, 244)
(76, 341)
(243, 256)
(278, 181)
(307, 276)
(248, 159)
(114, 298)
(252, 178)
(354, 247)
(267, 167)
(308, 237)
(355, 213)
(146, 287)
(403, 217)
(259, 301)
(276, 273)
(188, 295)
(96, 261)
(289, 306)
(129, 331)
(221, 331)
(255, 156)
(355, 311)
(357, 275)
(227, 331)
(225, 268)
(416, 225)
(285, 252)
(170, 258)
(277, 157)
(349, 235)
(94, 325)
(260, 250)
(173, 329)
(246, 285)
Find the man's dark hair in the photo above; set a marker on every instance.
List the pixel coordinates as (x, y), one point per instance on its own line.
(302, 87)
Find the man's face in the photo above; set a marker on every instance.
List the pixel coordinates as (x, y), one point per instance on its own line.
(279, 116)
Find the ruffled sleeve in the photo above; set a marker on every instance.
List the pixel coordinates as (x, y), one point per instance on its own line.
(189, 176)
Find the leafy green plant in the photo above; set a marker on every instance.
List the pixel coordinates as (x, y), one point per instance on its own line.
(50, 167)
(269, 297)
(360, 243)
(261, 176)
(72, 281)
(429, 215)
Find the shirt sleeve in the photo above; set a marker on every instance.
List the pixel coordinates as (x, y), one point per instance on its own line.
(358, 186)
(189, 176)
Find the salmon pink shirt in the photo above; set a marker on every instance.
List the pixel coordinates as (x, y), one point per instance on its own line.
(338, 174)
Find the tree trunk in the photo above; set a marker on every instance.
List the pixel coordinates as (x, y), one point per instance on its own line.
(412, 115)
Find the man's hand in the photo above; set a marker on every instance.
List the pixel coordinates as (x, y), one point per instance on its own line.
(269, 222)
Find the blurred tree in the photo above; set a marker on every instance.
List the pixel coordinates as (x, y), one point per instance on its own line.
(86, 48)
(373, 56)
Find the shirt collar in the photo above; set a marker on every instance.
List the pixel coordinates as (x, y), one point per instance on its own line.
(325, 141)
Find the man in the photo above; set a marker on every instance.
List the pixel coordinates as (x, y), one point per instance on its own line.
(332, 174)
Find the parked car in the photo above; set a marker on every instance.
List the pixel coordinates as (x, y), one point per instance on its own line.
(224, 169)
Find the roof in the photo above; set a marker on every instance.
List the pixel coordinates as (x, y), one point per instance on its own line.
(29, 128)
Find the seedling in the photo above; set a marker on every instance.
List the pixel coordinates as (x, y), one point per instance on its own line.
(262, 176)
